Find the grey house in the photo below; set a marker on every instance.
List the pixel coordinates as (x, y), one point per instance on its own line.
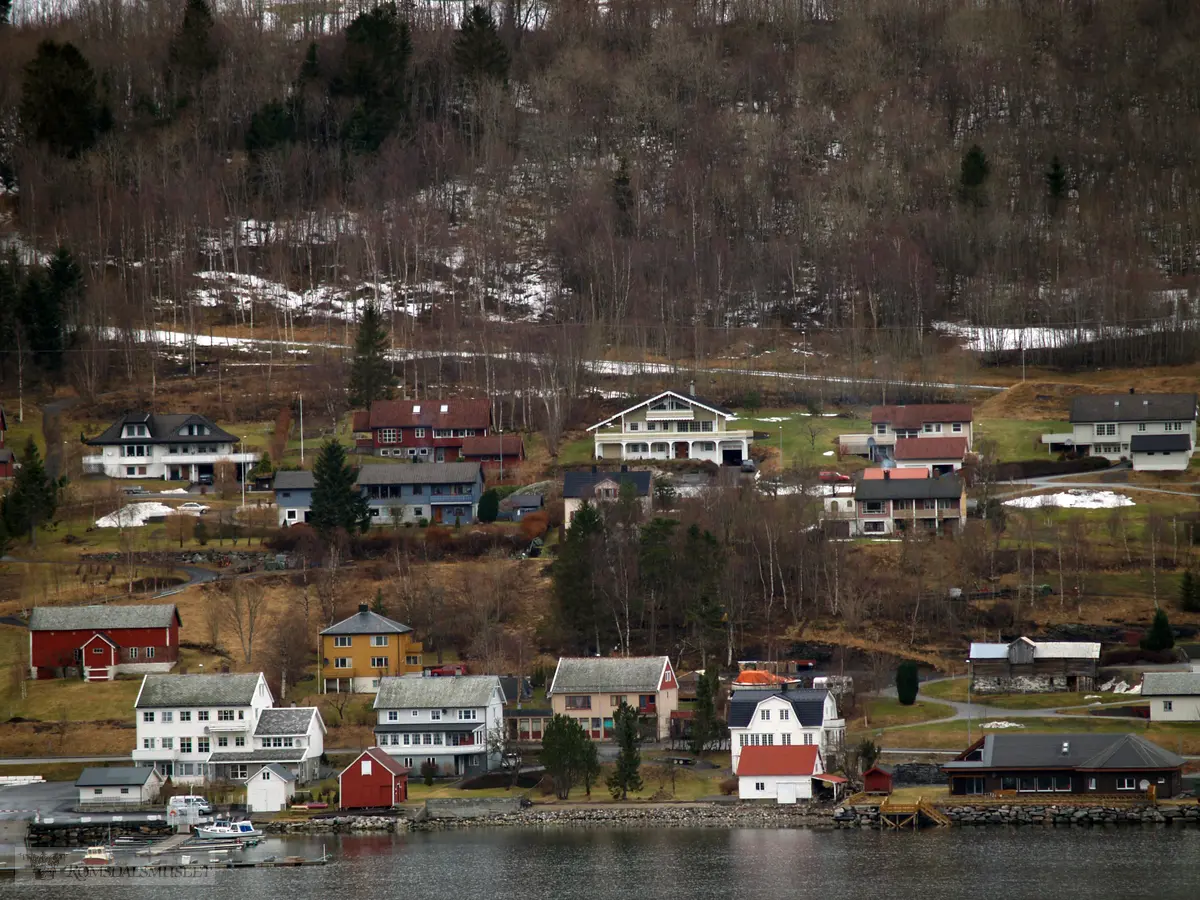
(293, 497)
(1153, 431)
(442, 493)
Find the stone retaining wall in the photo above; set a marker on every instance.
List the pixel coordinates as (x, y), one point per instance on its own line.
(471, 807)
(76, 835)
(337, 825)
(868, 816)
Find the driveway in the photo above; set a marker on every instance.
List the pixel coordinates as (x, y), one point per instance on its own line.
(981, 712)
(27, 801)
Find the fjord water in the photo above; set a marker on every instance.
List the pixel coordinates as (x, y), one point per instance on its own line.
(696, 864)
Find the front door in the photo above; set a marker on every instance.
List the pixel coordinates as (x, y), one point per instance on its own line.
(787, 792)
(681, 450)
(441, 454)
(436, 513)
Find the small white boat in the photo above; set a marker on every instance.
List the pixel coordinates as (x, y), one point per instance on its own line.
(98, 856)
(224, 829)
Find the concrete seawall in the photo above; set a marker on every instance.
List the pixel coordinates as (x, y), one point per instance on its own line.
(1048, 815)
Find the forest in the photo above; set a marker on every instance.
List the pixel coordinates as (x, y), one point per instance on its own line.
(650, 179)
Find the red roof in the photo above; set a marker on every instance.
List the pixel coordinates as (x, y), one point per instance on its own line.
(380, 756)
(362, 421)
(831, 779)
(931, 448)
(798, 759)
(897, 474)
(490, 445)
(908, 417)
(431, 414)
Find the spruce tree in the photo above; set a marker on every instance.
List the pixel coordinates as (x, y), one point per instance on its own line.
(908, 682)
(575, 575)
(479, 53)
(370, 378)
(489, 506)
(375, 70)
(1189, 592)
(973, 174)
(1160, 637)
(337, 502)
(193, 53)
(33, 499)
(704, 719)
(565, 753)
(1056, 183)
(60, 100)
(626, 775)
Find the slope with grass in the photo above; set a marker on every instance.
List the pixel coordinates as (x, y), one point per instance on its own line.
(955, 690)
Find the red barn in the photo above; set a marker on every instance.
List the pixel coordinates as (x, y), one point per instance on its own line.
(373, 781)
(422, 430)
(98, 642)
(878, 780)
(496, 452)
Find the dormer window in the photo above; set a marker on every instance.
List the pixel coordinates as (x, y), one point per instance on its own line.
(416, 409)
(445, 408)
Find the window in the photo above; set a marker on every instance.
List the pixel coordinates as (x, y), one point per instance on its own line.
(133, 654)
(873, 507)
(225, 715)
(203, 745)
(412, 660)
(393, 716)
(760, 785)
(341, 662)
(784, 715)
(706, 426)
(616, 700)
(468, 715)
(1106, 429)
(427, 738)
(239, 742)
(786, 740)
(873, 527)
(202, 715)
(97, 790)
(130, 470)
(956, 427)
(633, 426)
(1141, 426)
(379, 662)
(419, 432)
(291, 514)
(379, 640)
(1091, 784)
(97, 650)
(168, 743)
(387, 435)
(579, 702)
(437, 738)
(185, 745)
(443, 432)
(928, 504)
(933, 428)
(881, 429)
(1173, 426)
(435, 715)
(415, 713)
(341, 640)
(742, 740)
(167, 715)
(222, 742)
(149, 653)
(1125, 783)
(1168, 705)
(808, 739)
(366, 767)
(147, 743)
(237, 772)
(765, 715)
(147, 717)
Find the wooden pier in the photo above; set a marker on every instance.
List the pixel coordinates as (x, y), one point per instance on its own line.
(911, 815)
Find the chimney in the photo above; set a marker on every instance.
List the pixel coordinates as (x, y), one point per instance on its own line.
(1066, 749)
(887, 474)
(691, 388)
(1132, 391)
(362, 607)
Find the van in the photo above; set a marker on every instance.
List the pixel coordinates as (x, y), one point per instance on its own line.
(190, 802)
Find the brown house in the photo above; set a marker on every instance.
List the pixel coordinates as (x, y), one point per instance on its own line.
(1027, 666)
(1123, 765)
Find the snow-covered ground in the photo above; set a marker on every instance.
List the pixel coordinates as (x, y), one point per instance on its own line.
(134, 515)
(1073, 499)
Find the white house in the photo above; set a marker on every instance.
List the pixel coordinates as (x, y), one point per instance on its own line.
(292, 738)
(783, 774)
(672, 425)
(179, 447)
(926, 421)
(270, 789)
(119, 785)
(444, 720)
(1154, 431)
(597, 487)
(783, 716)
(1173, 696)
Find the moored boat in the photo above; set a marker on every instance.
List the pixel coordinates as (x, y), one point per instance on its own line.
(224, 829)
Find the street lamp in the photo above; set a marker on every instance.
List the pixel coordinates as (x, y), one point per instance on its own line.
(968, 702)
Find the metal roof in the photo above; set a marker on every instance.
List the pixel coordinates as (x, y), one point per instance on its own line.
(1133, 408)
(287, 754)
(445, 692)
(460, 413)
(593, 675)
(419, 473)
(948, 487)
(163, 430)
(286, 720)
(1158, 443)
(797, 759)
(114, 776)
(1171, 684)
(907, 417)
(1082, 751)
(84, 618)
(582, 484)
(686, 398)
(807, 703)
(197, 690)
(294, 481)
(280, 772)
(491, 445)
(1041, 650)
(366, 622)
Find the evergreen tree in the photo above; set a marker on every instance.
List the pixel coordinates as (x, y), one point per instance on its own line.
(310, 69)
(868, 753)
(973, 175)
(33, 499)
(565, 753)
(60, 101)
(1056, 183)
(589, 765)
(1160, 637)
(626, 775)
(704, 719)
(377, 605)
(271, 124)
(375, 70)
(704, 562)
(193, 53)
(489, 506)
(908, 682)
(1189, 593)
(575, 578)
(263, 467)
(336, 500)
(479, 53)
(200, 532)
(370, 377)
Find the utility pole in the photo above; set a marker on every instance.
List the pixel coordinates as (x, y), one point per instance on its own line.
(302, 429)
(502, 455)
(242, 444)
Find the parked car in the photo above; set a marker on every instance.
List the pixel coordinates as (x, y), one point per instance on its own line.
(748, 466)
(831, 477)
(136, 489)
(190, 801)
(204, 479)
(193, 507)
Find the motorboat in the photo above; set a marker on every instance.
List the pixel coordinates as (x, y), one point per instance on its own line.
(225, 829)
(98, 856)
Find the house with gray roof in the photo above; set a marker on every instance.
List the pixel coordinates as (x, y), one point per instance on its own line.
(591, 688)
(783, 714)
(1096, 765)
(889, 504)
(445, 720)
(1026, 666)
(270, 788)
(293, 497)
(118, 786)
(97, 643)
(441, 493)
(174, 447)
(598, 486)
(1156, 432)
(1173, 696)
(292, 738)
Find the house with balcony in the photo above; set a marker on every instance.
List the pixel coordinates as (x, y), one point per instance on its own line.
(590, 689)
(672, 425)
(604, 487)
(1156, 432)
(293, 497)
(423, 430)
(359, 651)
(444, 721)
(887, 504)
(97, 643)
(289, 738)
(783, 715)
(441, 493)
(176, 447)
(890, 424)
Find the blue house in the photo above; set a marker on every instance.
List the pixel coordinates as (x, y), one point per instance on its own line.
(443, 493)
(293, 497)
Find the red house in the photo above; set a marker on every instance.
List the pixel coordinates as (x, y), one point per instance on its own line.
(7, 460)
(423, 430)
(373, 781)
(878, 780)
(98, 642)
(496, 452)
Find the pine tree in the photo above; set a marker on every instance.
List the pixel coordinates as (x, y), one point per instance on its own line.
(193, 53)
(626, 775)
(370, 378)
(33, 499)
(565, 753)
(479, 53)
(489, 506)
(375, 70)
(575, 577)
(377, 605)
(1056, 183)
(973, 175)
(337, 502)
(1188, 598)
(908, 682)
(60, 100)
(704, 719)
(1160, 637)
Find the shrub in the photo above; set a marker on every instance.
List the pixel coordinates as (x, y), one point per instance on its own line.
(1160, 636)
(534, 524)
(729, 786)
(429, 772)
(908, 682)
(1126, 656)
(489, 506)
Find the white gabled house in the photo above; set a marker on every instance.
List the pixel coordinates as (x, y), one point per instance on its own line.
(672, 425)
(783, 774)
(1173, 696)
(1155, 431)
(783, 716)
(176, 447)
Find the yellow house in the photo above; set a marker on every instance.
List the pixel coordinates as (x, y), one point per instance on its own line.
(358, 651)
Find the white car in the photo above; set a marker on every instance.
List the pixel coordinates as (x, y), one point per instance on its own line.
(193, 507)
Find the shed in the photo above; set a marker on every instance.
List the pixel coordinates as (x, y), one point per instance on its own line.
(270, 789)
(878, 779)
(783, 774)
(118, 785)
(373, 781)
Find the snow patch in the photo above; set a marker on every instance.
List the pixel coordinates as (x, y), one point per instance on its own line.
(1000, 723)
(134, 515)
(1074, 499)
(827, 453)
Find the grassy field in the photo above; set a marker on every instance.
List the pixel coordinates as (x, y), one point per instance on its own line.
(956, 689)
(1016, 439)
(953, 735)
(883, 712)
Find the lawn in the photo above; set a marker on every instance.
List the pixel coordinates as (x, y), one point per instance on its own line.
(956, 689)
(1179, 738)
(883, 712)
(806, 440)
(1017, 439)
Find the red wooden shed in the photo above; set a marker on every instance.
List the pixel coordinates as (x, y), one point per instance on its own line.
(373, 781)
(878, 780)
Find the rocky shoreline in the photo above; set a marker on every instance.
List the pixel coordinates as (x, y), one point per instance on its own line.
(1049, 815)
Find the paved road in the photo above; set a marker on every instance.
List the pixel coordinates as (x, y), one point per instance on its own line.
(55, 760)
(27, 801)
(981, 712)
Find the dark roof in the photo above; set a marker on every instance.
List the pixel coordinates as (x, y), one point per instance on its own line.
(528, 712)
(114, 776)
(515, 687)
(1158, 443)
(85, 618)
(582, 484)
(880, 767)
(197, 690)
(294, 481)
(611, 674)
(361, 421)
(419, 473)
(931, 448)
(1133, 408)
(366, 622)
(948, 487)
(6, 455)
(490, 446)
(292, 754)
(909, 417)
(163, 430)
(475, 413)
(1083, 751)
(809, 704)
(285, 720)
(280, 772)
(525, 501)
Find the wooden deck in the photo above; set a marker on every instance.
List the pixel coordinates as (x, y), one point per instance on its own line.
(911, 815)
